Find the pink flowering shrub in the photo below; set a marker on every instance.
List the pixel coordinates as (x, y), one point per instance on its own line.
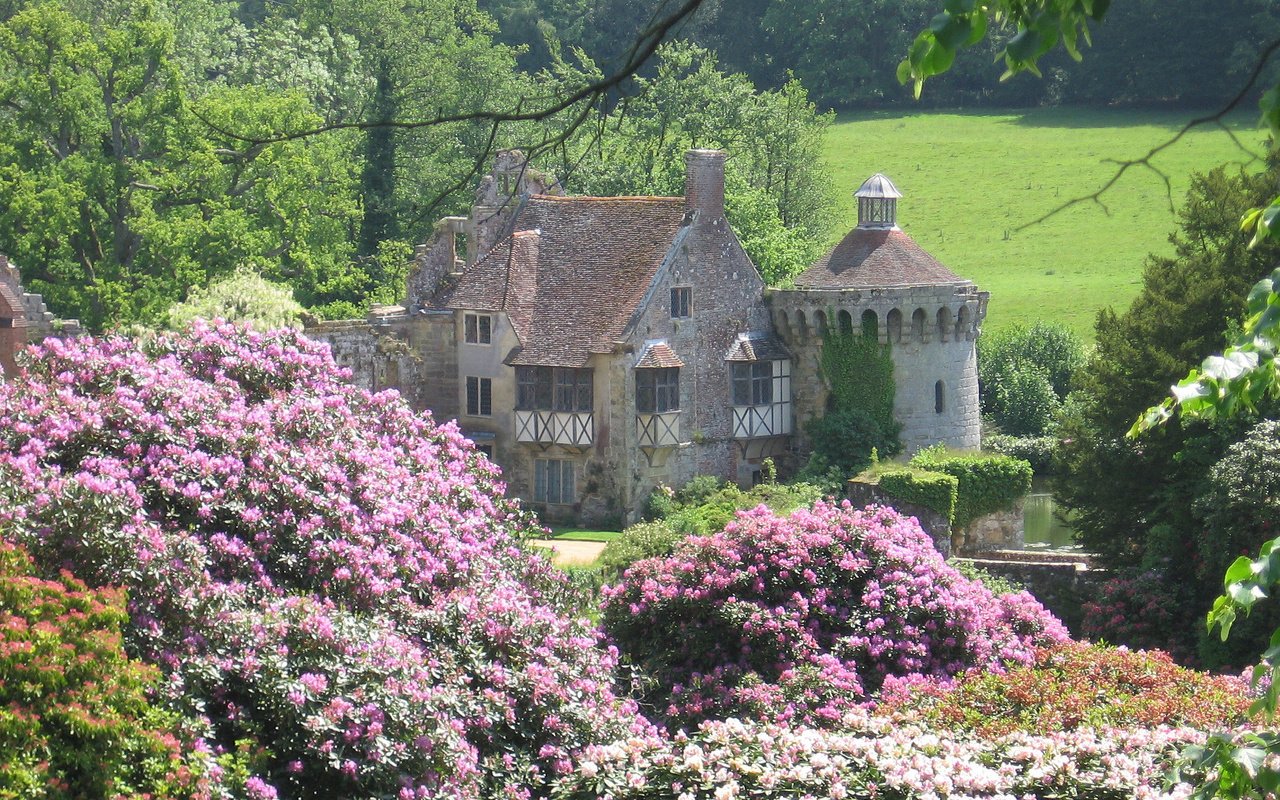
(326, 579)
(801, 618)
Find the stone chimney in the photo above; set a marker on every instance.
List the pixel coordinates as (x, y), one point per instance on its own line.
(704, 183)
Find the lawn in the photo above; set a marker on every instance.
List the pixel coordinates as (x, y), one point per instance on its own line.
(581, 535)
(972, 181)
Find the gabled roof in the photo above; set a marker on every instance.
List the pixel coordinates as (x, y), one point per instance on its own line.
(870, 258)
(658, 355)
(757, 346)
(572, 274)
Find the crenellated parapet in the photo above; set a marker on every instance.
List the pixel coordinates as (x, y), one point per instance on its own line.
(895, 315)
(931, 333)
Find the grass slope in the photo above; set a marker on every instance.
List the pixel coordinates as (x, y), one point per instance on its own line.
(970, 180)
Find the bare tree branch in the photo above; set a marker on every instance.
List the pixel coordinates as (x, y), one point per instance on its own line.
(1216, 118)
(642, 49)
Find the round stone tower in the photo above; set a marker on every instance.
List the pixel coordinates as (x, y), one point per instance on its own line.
(879, 282)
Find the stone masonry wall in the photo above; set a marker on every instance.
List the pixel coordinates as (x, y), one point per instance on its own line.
(1062, 583)
(24, 318)
(999, 530)
(726, 300)
(931, 332)
(412, 353)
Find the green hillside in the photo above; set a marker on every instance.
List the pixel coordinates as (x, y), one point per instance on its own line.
(970, 180)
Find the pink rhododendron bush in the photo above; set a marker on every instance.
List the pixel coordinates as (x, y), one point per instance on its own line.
(802, 618)
(329, 583)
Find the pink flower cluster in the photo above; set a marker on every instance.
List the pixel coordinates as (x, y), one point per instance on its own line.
(801, 618)
(318, 571)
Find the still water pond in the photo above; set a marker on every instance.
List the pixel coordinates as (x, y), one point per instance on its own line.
(1044, 531)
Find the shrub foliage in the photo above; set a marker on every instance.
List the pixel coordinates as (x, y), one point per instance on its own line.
(75, 720)
(327, 578)
(1077, 685)
(803, 617)
(986, 482)
(936, 490)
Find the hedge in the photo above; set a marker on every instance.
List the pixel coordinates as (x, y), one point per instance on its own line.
(935, 490)
(986, 482)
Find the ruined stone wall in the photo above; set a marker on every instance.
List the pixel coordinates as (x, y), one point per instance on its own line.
(931, 332)
(412, 353)
(999, 530)
(24, 318)
(1062, 582)
(865, 493)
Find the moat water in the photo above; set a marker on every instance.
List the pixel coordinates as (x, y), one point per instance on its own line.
(1044, 530)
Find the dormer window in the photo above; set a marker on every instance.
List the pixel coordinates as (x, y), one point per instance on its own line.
(681, 302)
(658, 390)
(477, 328)
(752, 383)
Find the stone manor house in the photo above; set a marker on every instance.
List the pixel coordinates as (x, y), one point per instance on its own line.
(596, 347)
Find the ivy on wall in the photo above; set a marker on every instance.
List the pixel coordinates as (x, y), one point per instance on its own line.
(859, 417)
(935, 490)
(859, 371)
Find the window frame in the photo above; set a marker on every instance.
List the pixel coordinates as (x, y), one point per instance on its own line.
(477, 328)
(479, 396)
(561, 389)
(657, 390)
(557, 473)
(751, 381)
(681, 302)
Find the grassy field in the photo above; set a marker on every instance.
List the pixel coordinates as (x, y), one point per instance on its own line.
(971, 180)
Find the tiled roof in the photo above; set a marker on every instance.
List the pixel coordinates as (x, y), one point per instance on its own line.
(867, 259)
(657, 355)
(572, 275)
(757, 347)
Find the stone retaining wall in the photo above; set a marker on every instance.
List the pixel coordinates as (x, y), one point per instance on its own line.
(1063, 582)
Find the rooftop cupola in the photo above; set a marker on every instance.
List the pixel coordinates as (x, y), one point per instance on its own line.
(878, 203)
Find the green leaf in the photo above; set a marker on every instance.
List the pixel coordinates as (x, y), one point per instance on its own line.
(1024, 46)
(1246, 594)
(1250, 758)
(1240, 570)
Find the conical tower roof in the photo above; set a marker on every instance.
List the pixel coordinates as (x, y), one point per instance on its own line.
(878, 185)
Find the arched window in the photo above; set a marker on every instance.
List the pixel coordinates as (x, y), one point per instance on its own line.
(870, 324)
(846, 322)
(894, 323)
(962, 323)
(919, 320)
(820, 322)
(939, 397)
(944, 324)
(802, 331)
